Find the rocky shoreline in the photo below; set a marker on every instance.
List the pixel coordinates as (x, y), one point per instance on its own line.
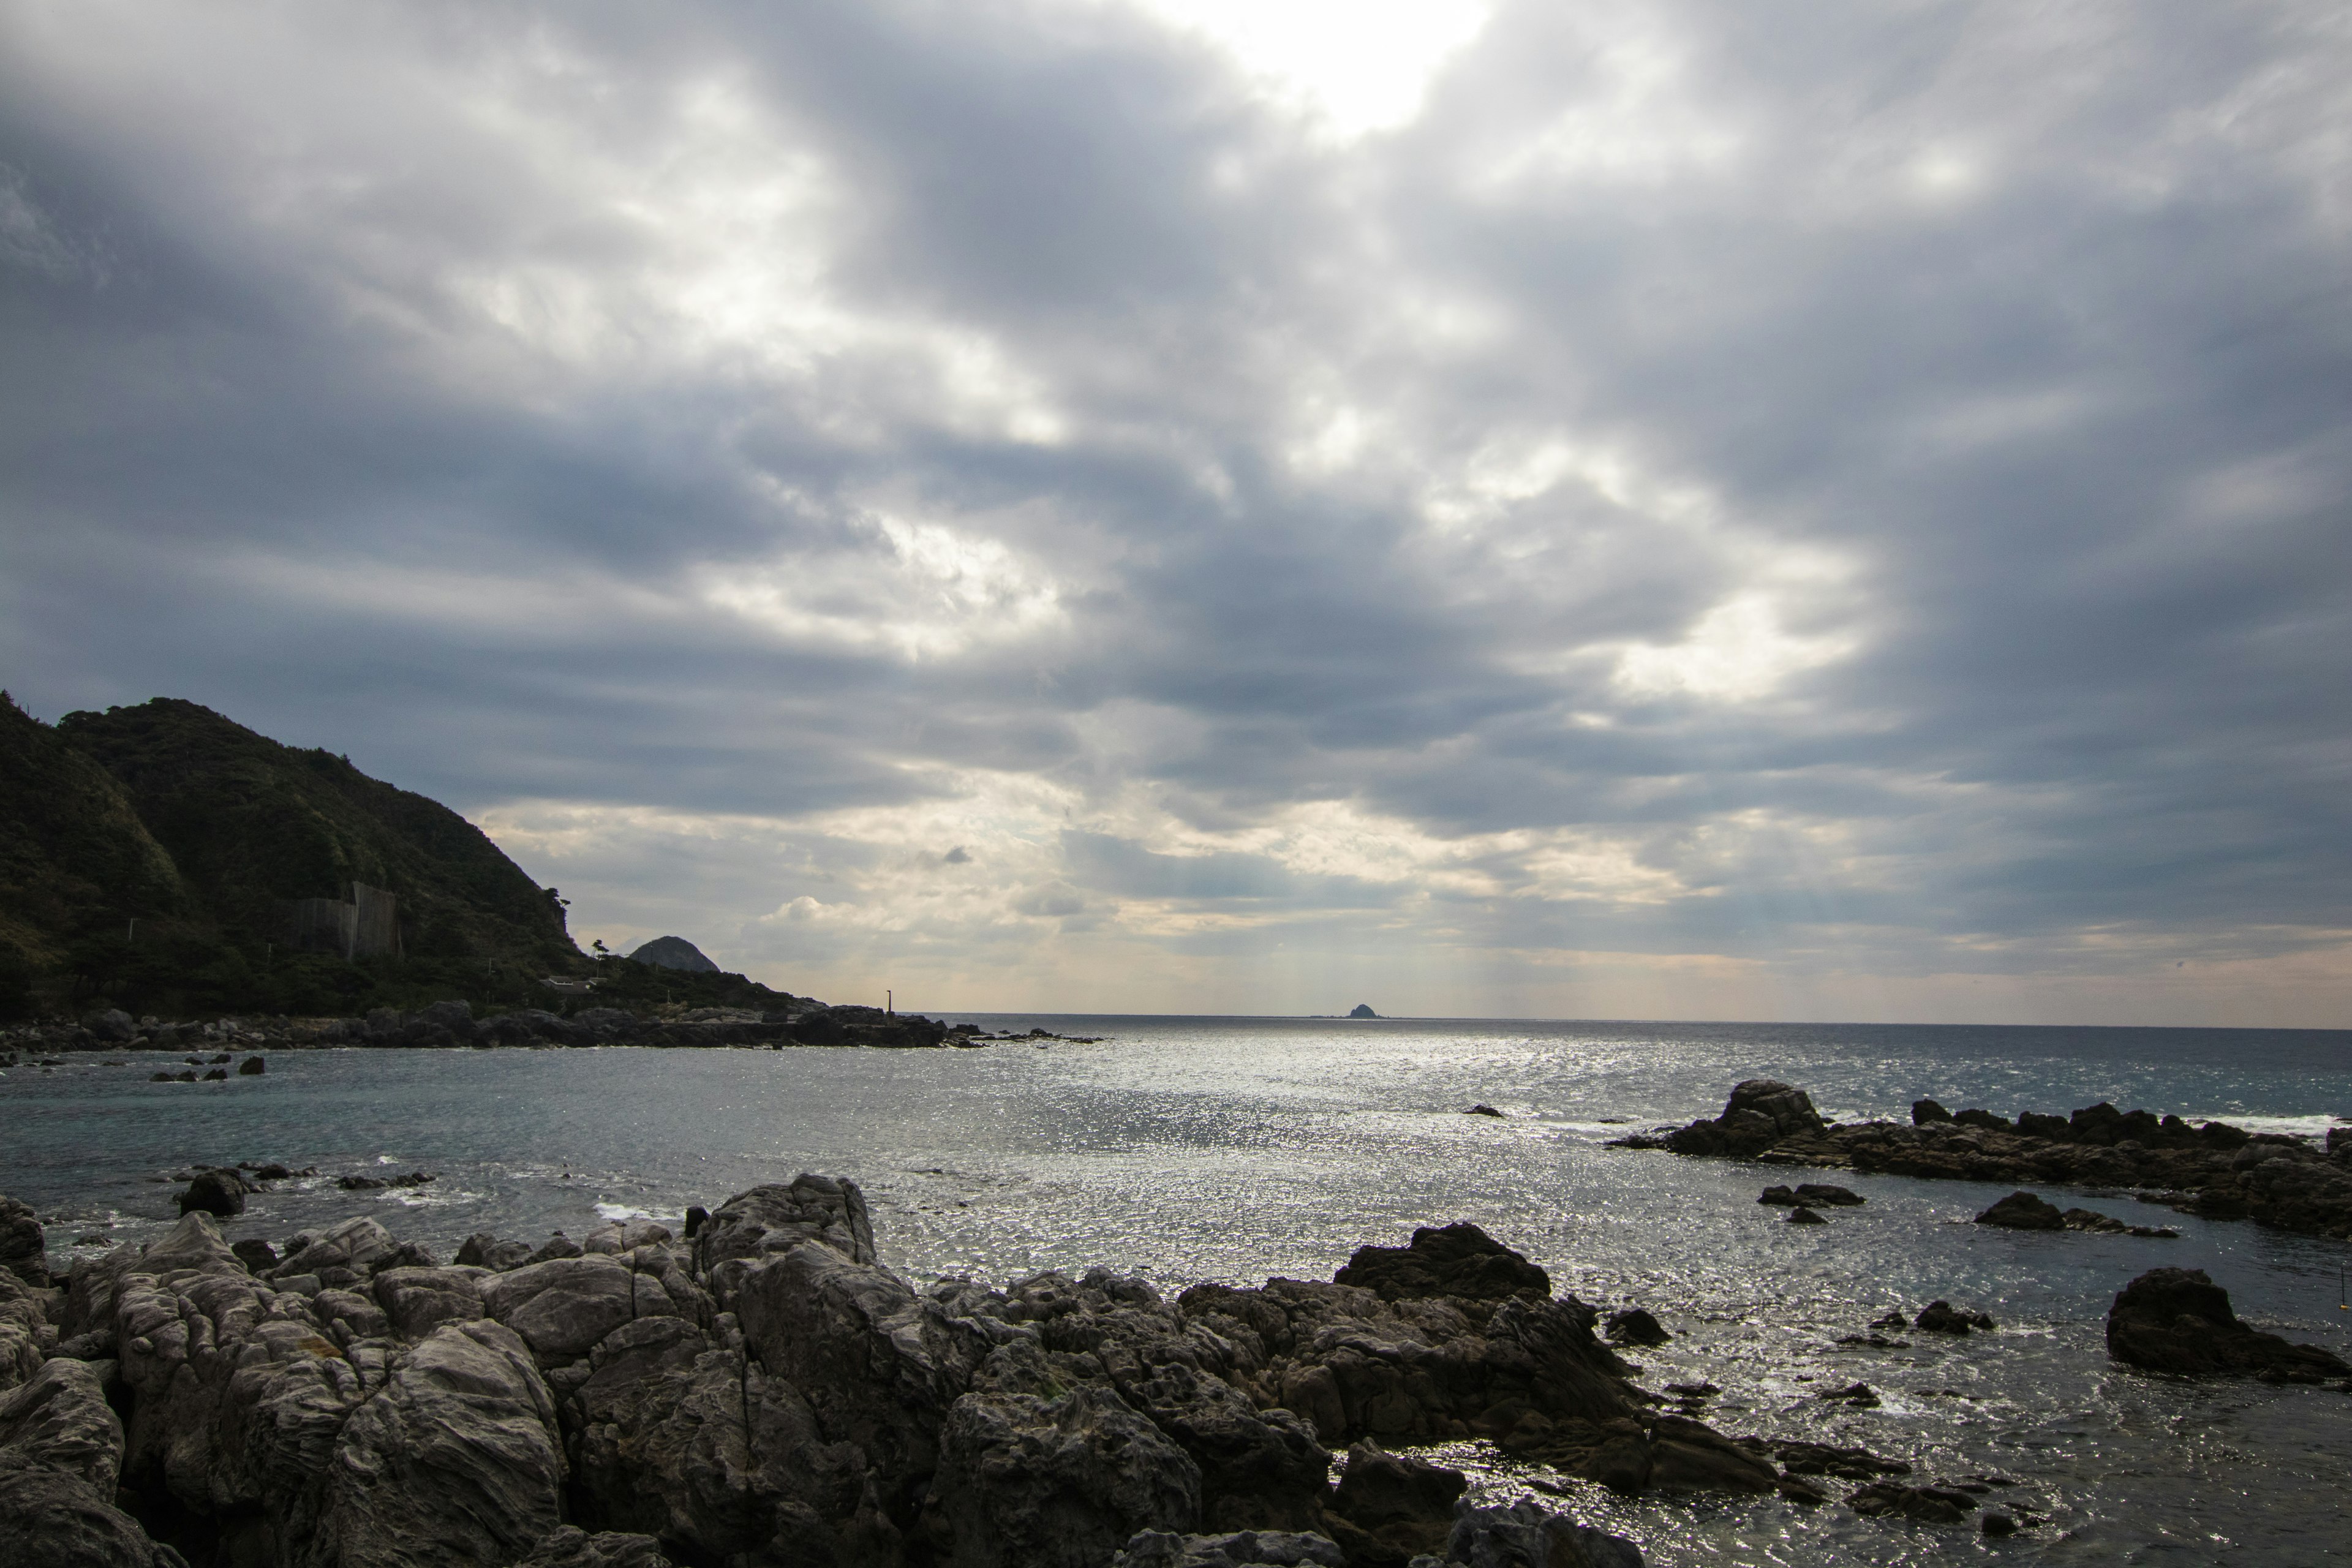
(451, 1024)
(761, 1391)
(2213, 1170)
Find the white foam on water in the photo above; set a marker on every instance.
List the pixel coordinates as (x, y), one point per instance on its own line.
(622, 1211)
(2313, 1126)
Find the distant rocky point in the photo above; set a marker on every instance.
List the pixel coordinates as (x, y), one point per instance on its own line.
(675, 952)
(1362, 1010)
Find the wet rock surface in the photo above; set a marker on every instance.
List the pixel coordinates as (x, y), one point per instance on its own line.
(2212, 1169)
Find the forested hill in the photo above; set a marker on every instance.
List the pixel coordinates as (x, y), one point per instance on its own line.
(195, 826)
(74, 857)
(249, 822)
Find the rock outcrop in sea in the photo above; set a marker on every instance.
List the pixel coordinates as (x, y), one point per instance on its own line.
(2178, 1321)
(762, 1391)
(2212, 1169)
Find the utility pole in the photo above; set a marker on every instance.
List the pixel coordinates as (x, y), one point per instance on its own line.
(889, 1002)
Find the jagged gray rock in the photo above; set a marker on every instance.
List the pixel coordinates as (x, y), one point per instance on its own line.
(53, 1518)
(24, 1244)
(773, 1219)
(1235, 1549)
(415, 1301)
(572, 1547)
(1025, 1482)
(1527, 1536)
(21, 1322)
(563, 1307)
(455, 1459)
(59, 1419)
(356, 1246)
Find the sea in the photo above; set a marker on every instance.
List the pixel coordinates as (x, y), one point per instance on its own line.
(1189, 1149)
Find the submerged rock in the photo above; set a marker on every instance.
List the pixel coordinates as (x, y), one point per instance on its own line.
(2178, 1321)
(1929, 1505)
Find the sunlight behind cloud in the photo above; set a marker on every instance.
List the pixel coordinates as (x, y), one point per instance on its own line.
(946, 592)
(1359, 67)
(1738, 652)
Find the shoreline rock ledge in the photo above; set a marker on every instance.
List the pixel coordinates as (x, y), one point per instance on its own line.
(2213, 1169)
(764, 1394)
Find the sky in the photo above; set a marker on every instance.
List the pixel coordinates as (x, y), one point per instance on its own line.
(1686, 509)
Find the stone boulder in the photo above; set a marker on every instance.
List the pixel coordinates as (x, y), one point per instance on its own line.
(194, 1245)
(2178, 1321)
(218, 1193)
(877, 1365)
(60, 1420)
(113, 1027)
(2023, 1211)
(1928, 1505)
(1389, 1509)
(1025, 1482)
(1760, 1112)
(1261, 1466)
(1235, 1549)
(53, 1518)
(483, 1250)
(774, 1219)
(22, 1326)
(677, 1433)
(572, 1547)
(1458, 1259)
(562, 1306)
(1943, 1318)
(455, 1459)
(238, 1391)
(24, 1244)
(357, 1246)
(1636, 1326)
(415, 1301)
(1526, 1535)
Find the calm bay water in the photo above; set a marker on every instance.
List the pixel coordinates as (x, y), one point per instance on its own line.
(1189, 1149)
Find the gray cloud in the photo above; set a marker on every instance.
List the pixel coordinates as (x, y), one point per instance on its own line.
(1823, 494)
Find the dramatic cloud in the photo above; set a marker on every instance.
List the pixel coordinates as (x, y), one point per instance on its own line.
(1694, 507)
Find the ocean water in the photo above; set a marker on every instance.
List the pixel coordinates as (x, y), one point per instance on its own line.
(1192, 1149)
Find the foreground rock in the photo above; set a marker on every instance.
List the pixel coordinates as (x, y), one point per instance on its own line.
(768, 1394)
(2212, 1169)
(2178, 1321)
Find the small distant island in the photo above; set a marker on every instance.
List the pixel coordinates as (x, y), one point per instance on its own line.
(1362, 1010)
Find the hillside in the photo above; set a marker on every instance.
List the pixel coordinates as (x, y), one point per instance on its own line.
(249, 822)
(75, 860)
(198, 829)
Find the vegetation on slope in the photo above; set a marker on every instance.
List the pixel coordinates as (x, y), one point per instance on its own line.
(198, 827)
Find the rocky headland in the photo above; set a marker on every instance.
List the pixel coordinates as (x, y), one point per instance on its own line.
(2212, 1169)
